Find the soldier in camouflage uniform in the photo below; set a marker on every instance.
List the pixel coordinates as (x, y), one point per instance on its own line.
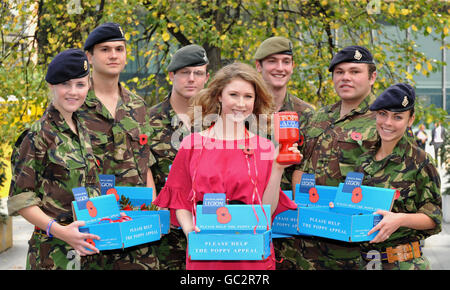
(48, 160)
(188, 73)
(274, 60)
(335, 138)
(396, 162)
(117, 122)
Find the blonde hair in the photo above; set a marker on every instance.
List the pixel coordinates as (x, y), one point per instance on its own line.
(208, 99)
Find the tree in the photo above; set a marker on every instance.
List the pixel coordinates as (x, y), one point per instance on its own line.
(228, 29)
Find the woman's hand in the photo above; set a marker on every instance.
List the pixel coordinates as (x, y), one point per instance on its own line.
(293, 148)
(76, 239)
(69, 234)
(390, 223)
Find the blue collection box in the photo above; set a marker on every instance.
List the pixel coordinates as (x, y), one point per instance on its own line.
(102, 215)
(351, 216)
(286, 223)
(138, 196)
(231, 232)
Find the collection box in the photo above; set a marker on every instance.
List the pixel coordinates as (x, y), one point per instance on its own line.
(136, 201)
(307, 194)
(351, 215)
(118, 229)
(230, 232)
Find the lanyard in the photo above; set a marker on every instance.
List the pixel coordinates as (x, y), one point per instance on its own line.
(248, 154)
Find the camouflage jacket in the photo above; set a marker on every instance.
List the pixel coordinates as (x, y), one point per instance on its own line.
(120, 144)
(409, 170)
(305, 111)
(168, 133)
(48, 160)
(333, 144)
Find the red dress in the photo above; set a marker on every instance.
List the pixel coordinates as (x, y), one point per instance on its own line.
(220, 166)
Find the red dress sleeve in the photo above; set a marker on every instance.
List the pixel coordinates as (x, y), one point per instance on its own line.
(176, 190)
(284, 204)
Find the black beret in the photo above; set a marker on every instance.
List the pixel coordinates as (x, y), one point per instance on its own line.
(353, 53)
(273, 45)
(67, 65)
(108, 31)
(189, 55)
(397, 98)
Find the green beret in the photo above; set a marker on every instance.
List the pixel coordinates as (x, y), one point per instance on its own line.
(190, 55)
(272, 45)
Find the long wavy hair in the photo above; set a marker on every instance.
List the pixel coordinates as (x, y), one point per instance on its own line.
(208, 99)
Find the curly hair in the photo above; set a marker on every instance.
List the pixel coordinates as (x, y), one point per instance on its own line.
(208, 99)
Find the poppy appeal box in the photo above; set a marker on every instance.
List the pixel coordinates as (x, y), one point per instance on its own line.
(116, 230)
(135, 199)
(230, 232)
(307, 194)
(351, 215)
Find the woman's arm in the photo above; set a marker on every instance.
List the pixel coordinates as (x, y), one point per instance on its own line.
(272, 192)
(392, 221)
(184, 218)
(69, 234)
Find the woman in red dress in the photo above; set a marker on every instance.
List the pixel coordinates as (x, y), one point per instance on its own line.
(227, 157)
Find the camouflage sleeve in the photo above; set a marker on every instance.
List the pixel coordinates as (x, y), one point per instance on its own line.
(428, 199)
(25, 162)
(304, 120)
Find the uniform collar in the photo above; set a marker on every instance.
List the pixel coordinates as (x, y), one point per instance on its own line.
(287, 104)
(398, 154)
(55, 117)
(361, 109)
(93, 102)
(170, 113)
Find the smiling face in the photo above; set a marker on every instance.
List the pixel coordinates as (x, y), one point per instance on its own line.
(70, 95)
(238, 99)
(391, 126)
(276, 70)
(352, 81)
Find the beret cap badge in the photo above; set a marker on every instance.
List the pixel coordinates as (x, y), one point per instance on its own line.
(85, 65)
(405, 101)
(357, 55)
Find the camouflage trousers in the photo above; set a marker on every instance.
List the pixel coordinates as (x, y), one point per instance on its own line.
(46, 253)
(171, 250)
(420, 263)
(310, 253)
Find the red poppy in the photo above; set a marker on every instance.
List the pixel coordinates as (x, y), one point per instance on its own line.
(302, 138)
(144, 207)
(313, 195)
(92, 210)
(357, 195)
(112, 190)
(143, 139)
(397, 194)
(127, 207)
(356, 136)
